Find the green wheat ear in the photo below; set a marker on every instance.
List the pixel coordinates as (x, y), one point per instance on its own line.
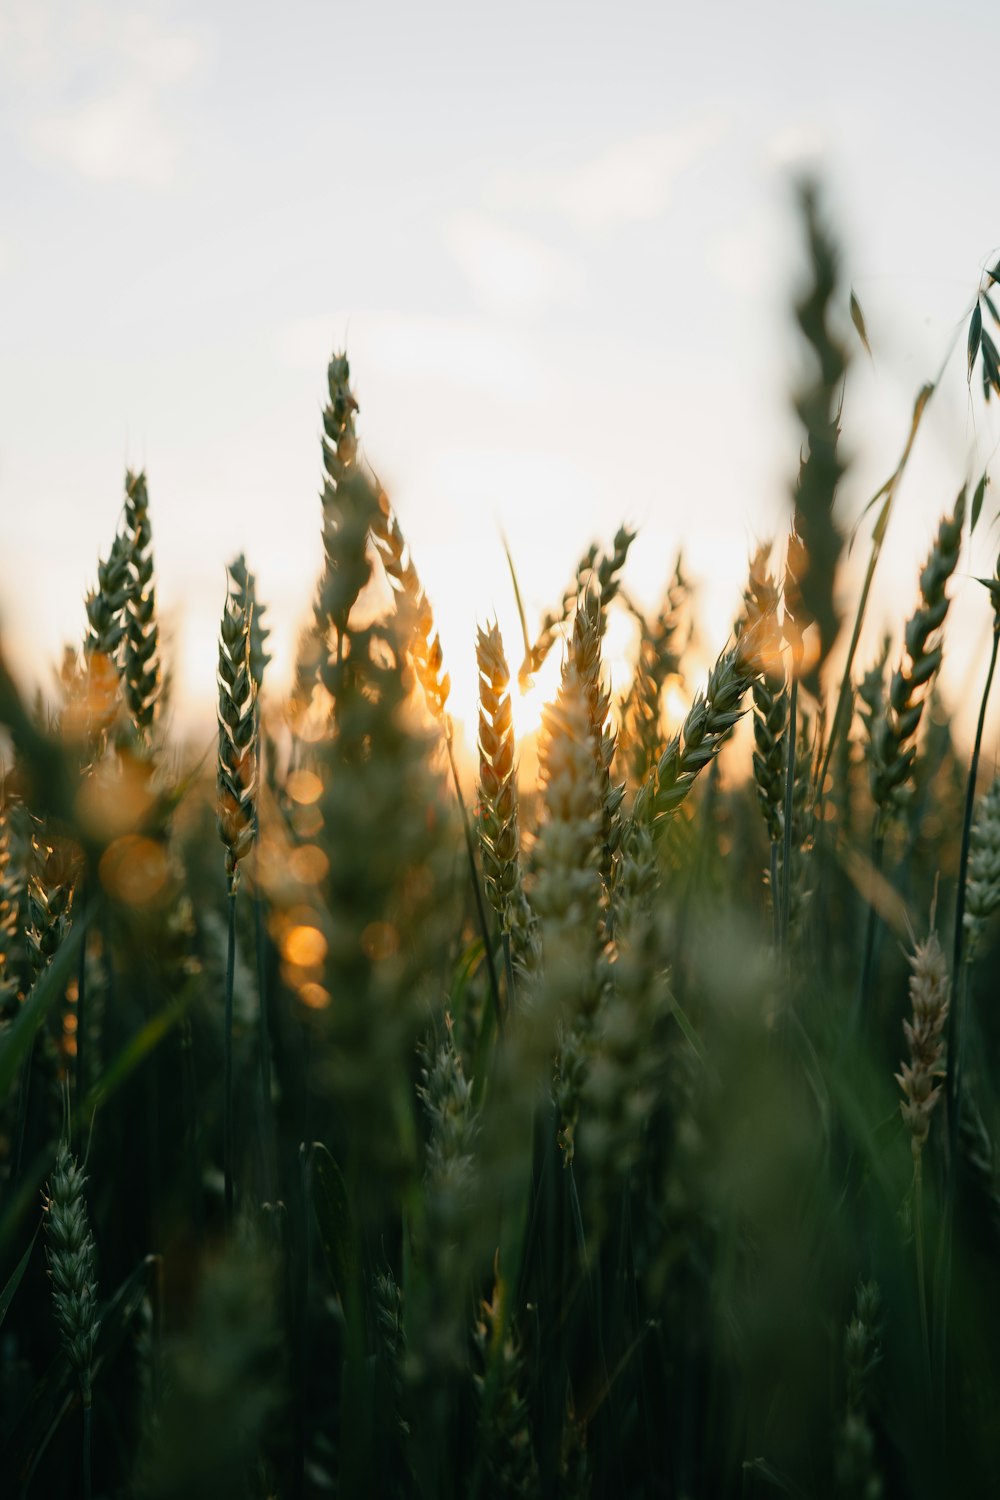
(142, 673)
(982, 887)
(237, 761)
(72, 1266)
(498, 824)
(816, 541)
(893, 738)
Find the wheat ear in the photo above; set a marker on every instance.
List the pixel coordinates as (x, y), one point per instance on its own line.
(142, 675)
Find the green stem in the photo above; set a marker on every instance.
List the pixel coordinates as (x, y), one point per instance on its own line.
(786, 869)
(189, 1086)
(918, 1239)
(954, 1032)
(22, 1108)
(871, 930)
(87, 1409)
(81, 1037)
(888, 490)
(775, 893)
(267, 1108)
(227, 1117)
(470, 847)
(508, 969)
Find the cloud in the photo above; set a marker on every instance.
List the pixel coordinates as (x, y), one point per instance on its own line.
(116, 138)
(93, 84)
(625, 182)
(510, 271)
(464, 352)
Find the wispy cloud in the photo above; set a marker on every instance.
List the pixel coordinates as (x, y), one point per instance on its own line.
(465, 352)
(628, 181)
(510, 271)
(93, 84)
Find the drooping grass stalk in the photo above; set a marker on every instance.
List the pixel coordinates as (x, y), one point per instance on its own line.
(236, 816)
(887, 494)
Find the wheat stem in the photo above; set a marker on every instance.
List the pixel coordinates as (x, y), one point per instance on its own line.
(786, 868)
(484, 928)
(956, 1021)
(227, 1117)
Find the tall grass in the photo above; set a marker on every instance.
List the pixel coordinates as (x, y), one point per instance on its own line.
(524, 1144)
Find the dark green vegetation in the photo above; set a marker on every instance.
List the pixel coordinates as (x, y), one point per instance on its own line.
(627, 1135)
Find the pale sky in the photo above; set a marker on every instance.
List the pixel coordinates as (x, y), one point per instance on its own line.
(557, 241)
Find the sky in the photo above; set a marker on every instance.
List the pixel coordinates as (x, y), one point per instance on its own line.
(559, 245)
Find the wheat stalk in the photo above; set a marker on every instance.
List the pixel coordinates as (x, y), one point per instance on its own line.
(345, 568)
(893, 748)
(708, 724)
(236, 814)
(73, 1272)
(593, 569)
(658, 658)
(498, 824)
(424, 643)
(142, 676)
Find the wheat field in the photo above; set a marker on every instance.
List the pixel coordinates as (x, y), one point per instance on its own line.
(373, 1128)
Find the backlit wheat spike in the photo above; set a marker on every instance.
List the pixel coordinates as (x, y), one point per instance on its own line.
(424, 643)
(237, 768)
(816, 542)
(929, 995)
(770, 696)
(566, 887)
(709, 723)
(603, 571)
(50, 904)
(982, 886)
(16, 968)
(893, 746)
(659, 657)
(871, 700)
(585, 649)
(72, 1267)
(803, 824)
(499, 834)
(106, 629)
(142, 674)
(566, 894)
(245, 593)
(340, 583)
